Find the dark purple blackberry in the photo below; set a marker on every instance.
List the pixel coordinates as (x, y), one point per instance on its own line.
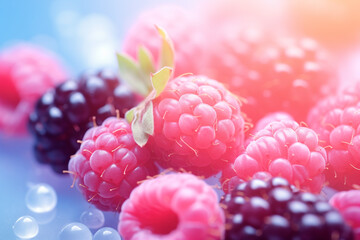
(62, 115)
(273, 209)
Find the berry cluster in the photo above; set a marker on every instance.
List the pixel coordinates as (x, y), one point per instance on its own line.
(336, 119)
(274, 209)
(26, 72)
(174, 206)
(63, 114)
(109, 164)
(283, 148)
(197, 125)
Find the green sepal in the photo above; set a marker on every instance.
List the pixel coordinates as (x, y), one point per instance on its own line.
(146, 61)
(167, 53)
(130, 72)
(129, 115)
(142, 116)
(160, 79)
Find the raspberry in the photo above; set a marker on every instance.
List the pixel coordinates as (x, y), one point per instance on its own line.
(274, 209)
(26, 72)
(272, 117)
(198, 126)
(336, 119)
(288, 150)
(271, 75)
(348, 204)
(186, 36)
(174, 206)
(62, 115)
(109, 164)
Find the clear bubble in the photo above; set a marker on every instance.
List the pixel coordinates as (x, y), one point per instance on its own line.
(93, 218)
(107, 233)
(41, 198)
(76, 231)
(26, 227)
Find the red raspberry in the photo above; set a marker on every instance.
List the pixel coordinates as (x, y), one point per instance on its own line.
(272, 117)
(337, 121)
(263, 122)
(172, 207)
(348, 204)
(186, 36)
(270, 74)
(198, 126)
(288, 150)
(109, 164)
(26, 72)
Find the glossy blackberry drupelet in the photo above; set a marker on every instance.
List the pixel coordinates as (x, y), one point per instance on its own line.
(62, 115)
(274, 209)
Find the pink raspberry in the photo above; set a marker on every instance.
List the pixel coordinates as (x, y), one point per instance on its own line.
(26, 72)
(336, 119)
(271, 117)
(288, 150)
(187, 37)
(198, 126)
(271, 74)
(172, 207)
(109, 164)
(348, 204)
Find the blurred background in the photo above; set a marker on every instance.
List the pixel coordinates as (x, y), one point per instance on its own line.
(85, 34)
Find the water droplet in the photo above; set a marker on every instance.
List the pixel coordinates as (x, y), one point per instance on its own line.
(26, 227)
(76, 231)
(107, 233)
(93, 218)
(41, 198)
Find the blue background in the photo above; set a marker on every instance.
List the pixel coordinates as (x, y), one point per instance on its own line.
(69, 28)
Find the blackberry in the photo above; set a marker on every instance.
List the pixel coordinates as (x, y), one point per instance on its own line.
(63, 114)
(274, 209)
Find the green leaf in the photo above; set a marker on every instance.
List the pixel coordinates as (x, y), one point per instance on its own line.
(129, 115)
(167, 50)
(147, 120)
(129, 71)
(139, 135)
(146, 61)
(160, 79)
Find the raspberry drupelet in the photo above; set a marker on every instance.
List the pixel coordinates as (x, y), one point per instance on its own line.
(176, 206)
(109, 164)
(283, 148)
(198, 126)
(336, 119)
(348, 204)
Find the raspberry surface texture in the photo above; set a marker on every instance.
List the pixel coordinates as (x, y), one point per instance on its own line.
(270, 74)
(187, 36)
(272, 117)
(198, 126)
(348, 204)
(62, 115)
(285, 149)
(274, 209)
(172, 207)
(109, 164)
(26, 72)
(336, 119)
